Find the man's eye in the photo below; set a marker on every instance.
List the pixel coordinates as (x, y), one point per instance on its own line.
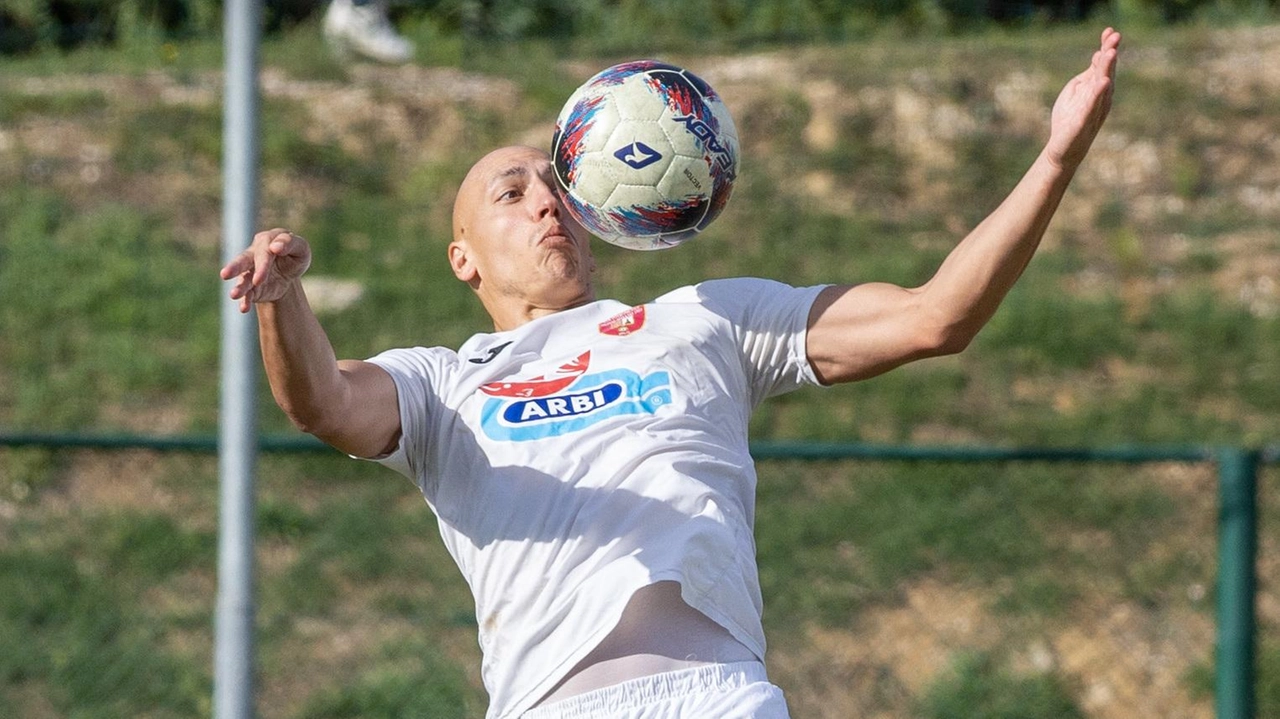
(509, 194)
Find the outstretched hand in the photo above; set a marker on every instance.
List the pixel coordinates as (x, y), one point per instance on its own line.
(1083, 105)
(268, 268)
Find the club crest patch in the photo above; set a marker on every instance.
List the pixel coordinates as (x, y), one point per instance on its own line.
(624, 323)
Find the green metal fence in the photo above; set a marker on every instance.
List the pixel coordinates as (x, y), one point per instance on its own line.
(1238, 469)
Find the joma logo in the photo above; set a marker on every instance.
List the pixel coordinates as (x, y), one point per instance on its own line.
(637, 155)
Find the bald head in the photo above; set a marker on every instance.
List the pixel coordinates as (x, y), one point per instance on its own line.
(513, 241)
(492, 168)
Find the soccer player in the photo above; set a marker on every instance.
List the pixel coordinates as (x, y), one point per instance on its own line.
(588, 461)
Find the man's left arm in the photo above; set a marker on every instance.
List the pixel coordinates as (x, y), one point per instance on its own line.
(856, 332)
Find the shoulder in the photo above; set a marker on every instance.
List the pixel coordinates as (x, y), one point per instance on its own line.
(477, 348)
(728, 291)
(742, 297)
(416, 353)
(416, 361)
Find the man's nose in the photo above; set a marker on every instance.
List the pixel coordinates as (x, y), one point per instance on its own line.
(548, 203)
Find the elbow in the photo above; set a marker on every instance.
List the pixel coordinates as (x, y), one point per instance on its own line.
(943, 329)
(326, 430)
(303, 422)
(953, 342)
(315, 412)
(306, 419)
(946, 339)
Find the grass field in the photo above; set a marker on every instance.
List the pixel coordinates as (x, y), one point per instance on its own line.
(930, 590)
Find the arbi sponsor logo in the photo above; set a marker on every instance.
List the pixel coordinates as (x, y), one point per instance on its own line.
(568, 400)
(564, 406)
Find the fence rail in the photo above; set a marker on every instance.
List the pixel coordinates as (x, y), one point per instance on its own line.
(1238, 470)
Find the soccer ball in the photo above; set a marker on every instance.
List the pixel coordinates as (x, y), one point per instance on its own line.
(645, 155)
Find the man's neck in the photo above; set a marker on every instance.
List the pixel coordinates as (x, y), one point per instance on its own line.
(510, 315)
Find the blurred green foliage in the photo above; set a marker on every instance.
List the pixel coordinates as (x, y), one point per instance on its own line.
(110, 323)
(616, 25)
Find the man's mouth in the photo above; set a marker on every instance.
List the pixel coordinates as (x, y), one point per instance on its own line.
(556, 233)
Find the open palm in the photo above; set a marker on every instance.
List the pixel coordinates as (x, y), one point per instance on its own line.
(1082, 106)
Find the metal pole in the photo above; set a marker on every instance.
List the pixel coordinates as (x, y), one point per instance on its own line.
(1237, 551)
(237, 421)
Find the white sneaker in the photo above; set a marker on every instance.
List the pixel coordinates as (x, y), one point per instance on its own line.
(364, 30)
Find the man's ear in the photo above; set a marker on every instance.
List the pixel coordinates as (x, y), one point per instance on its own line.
(460, 261)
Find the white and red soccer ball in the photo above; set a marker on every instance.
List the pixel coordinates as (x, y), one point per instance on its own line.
(645, 154)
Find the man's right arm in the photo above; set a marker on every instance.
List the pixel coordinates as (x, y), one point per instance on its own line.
(349, 404)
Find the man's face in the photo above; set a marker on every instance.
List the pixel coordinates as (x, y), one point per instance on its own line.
(513, 238)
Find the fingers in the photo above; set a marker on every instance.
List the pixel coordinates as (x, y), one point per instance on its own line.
(234, 267)
(262, 259)
(1100, 74)
(242, 266)
(252, 267)
(267, 246)
(1110, 38)
(245, 260)
(1105, 58)
(242, 263)
(243, 291)
(1083, 104)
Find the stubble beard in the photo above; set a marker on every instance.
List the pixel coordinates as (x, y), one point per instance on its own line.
(563, 266)
(549, 279)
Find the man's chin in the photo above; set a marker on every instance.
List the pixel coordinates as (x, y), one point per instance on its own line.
(572, 289)
(565, 266)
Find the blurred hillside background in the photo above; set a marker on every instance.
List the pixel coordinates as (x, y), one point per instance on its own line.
(875, 134)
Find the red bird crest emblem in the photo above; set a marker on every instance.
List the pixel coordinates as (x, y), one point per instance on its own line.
(624, 323)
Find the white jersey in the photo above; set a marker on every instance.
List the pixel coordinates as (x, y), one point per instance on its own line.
(589, 453)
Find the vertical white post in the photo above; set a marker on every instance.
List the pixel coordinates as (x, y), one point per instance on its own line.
(237, 421)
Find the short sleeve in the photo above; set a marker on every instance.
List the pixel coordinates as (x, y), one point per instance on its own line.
(419, 374)
(769, 321)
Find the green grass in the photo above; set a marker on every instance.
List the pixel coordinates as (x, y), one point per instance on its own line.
(350, 550)
(76, 104)
(159, 137)
(981, 689)
(110, 323)
(71, 623)
(856, 533)
(95, 296)
(409, 682)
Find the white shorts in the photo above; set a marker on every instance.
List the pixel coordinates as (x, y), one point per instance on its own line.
(714, 691)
